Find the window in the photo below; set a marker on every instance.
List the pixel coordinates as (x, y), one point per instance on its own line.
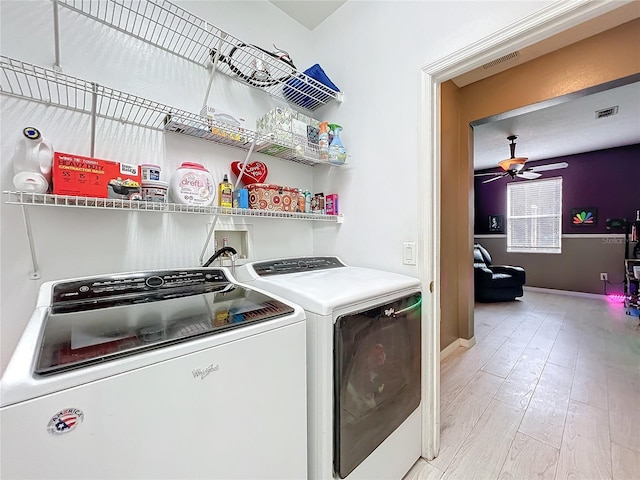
(534, 216)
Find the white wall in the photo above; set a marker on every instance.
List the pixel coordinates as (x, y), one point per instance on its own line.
(78, 242)
(372, 50)
(377, 49)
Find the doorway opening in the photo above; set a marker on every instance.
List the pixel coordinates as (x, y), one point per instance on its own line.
(547, 22)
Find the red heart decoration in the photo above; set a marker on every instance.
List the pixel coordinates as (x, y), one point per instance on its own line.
(255, 172)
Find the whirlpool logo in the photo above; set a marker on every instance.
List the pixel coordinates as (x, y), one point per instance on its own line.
(203, 373)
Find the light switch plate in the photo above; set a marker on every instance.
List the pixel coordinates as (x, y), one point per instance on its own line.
(409, 253)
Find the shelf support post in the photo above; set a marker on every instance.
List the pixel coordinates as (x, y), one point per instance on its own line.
(215, 217)
(216, 59)
(214, 220)
(35, 274)
(246, 159)
(56, 37)
(94, 107)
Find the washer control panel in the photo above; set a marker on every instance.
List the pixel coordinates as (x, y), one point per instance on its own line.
(296, 265)
(162, 281)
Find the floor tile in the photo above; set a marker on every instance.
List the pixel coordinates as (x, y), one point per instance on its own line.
(459, 417)
(624, 406)
(490, 441)
(586, 449)
(565, 349)
(529, 458)
(547, 409)
(590, 384)
(463, 371)
(519, 386)
(625, 462)
(423, 470)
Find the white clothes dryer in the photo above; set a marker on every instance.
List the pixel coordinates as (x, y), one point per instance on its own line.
(363, 363)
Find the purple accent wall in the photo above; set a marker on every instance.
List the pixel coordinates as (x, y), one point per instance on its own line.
(606, 179)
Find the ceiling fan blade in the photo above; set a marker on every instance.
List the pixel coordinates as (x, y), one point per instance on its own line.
(528, 175)
(550, 166)
(485, 174)
(495, 178)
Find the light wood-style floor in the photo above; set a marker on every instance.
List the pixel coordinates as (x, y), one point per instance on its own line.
(551, 390)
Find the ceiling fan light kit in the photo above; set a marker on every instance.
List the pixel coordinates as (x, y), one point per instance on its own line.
(515, 166)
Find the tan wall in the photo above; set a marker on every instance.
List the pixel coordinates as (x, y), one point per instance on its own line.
(602, 58)
(449, 208)
(576, 269)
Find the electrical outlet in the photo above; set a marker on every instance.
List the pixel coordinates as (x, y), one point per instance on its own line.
(604, 277)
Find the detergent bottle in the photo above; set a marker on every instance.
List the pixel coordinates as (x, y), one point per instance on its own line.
(226, 192)
(32, 162)
(337, 152)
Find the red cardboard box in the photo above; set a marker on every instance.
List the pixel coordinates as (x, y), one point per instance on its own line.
(92, 177)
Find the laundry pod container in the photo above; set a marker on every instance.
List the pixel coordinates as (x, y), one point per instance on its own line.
(192, 184)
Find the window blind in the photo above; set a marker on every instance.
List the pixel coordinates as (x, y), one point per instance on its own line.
(534, 216)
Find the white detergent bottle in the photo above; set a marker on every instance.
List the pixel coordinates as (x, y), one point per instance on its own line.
(32, 162)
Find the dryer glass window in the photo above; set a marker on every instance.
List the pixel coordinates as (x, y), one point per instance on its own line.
(376, 377)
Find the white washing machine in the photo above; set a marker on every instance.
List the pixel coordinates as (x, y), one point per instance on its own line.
(165, 374)
(363, 363)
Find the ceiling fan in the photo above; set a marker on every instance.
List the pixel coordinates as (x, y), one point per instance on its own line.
(515, 166)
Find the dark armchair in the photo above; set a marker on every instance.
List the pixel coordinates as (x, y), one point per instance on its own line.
(495, 283)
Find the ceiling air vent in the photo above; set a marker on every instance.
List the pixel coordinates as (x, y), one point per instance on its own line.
(607, 112)
(497, 61)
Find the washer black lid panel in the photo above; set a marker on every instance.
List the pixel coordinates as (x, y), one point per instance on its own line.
(117, 317)
(296, 265)
(129, 288)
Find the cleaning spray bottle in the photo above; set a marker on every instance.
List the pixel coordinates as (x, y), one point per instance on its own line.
(226, 192)
(323, 141)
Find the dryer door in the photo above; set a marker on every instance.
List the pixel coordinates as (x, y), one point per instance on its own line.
(376, 377)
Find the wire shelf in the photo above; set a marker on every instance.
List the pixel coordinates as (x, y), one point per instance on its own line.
(219, 132)
(23, 80)
(49, 200)
(175, 30)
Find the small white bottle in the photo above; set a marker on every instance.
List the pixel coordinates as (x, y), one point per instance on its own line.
(32, 162)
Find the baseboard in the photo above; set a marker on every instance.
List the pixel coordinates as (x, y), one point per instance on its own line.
(564, 292)
(467, 343)
(453, 346)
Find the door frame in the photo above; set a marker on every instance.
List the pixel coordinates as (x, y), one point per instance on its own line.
(548, 21)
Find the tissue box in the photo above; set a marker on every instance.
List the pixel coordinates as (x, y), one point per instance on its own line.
(218, 115)
(76, 175)
(263, 196)
(277, 123)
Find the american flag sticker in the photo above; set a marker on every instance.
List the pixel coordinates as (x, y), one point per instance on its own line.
(65, 421)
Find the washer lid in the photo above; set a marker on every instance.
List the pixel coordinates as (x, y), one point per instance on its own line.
(97, 319)
(323, 291)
